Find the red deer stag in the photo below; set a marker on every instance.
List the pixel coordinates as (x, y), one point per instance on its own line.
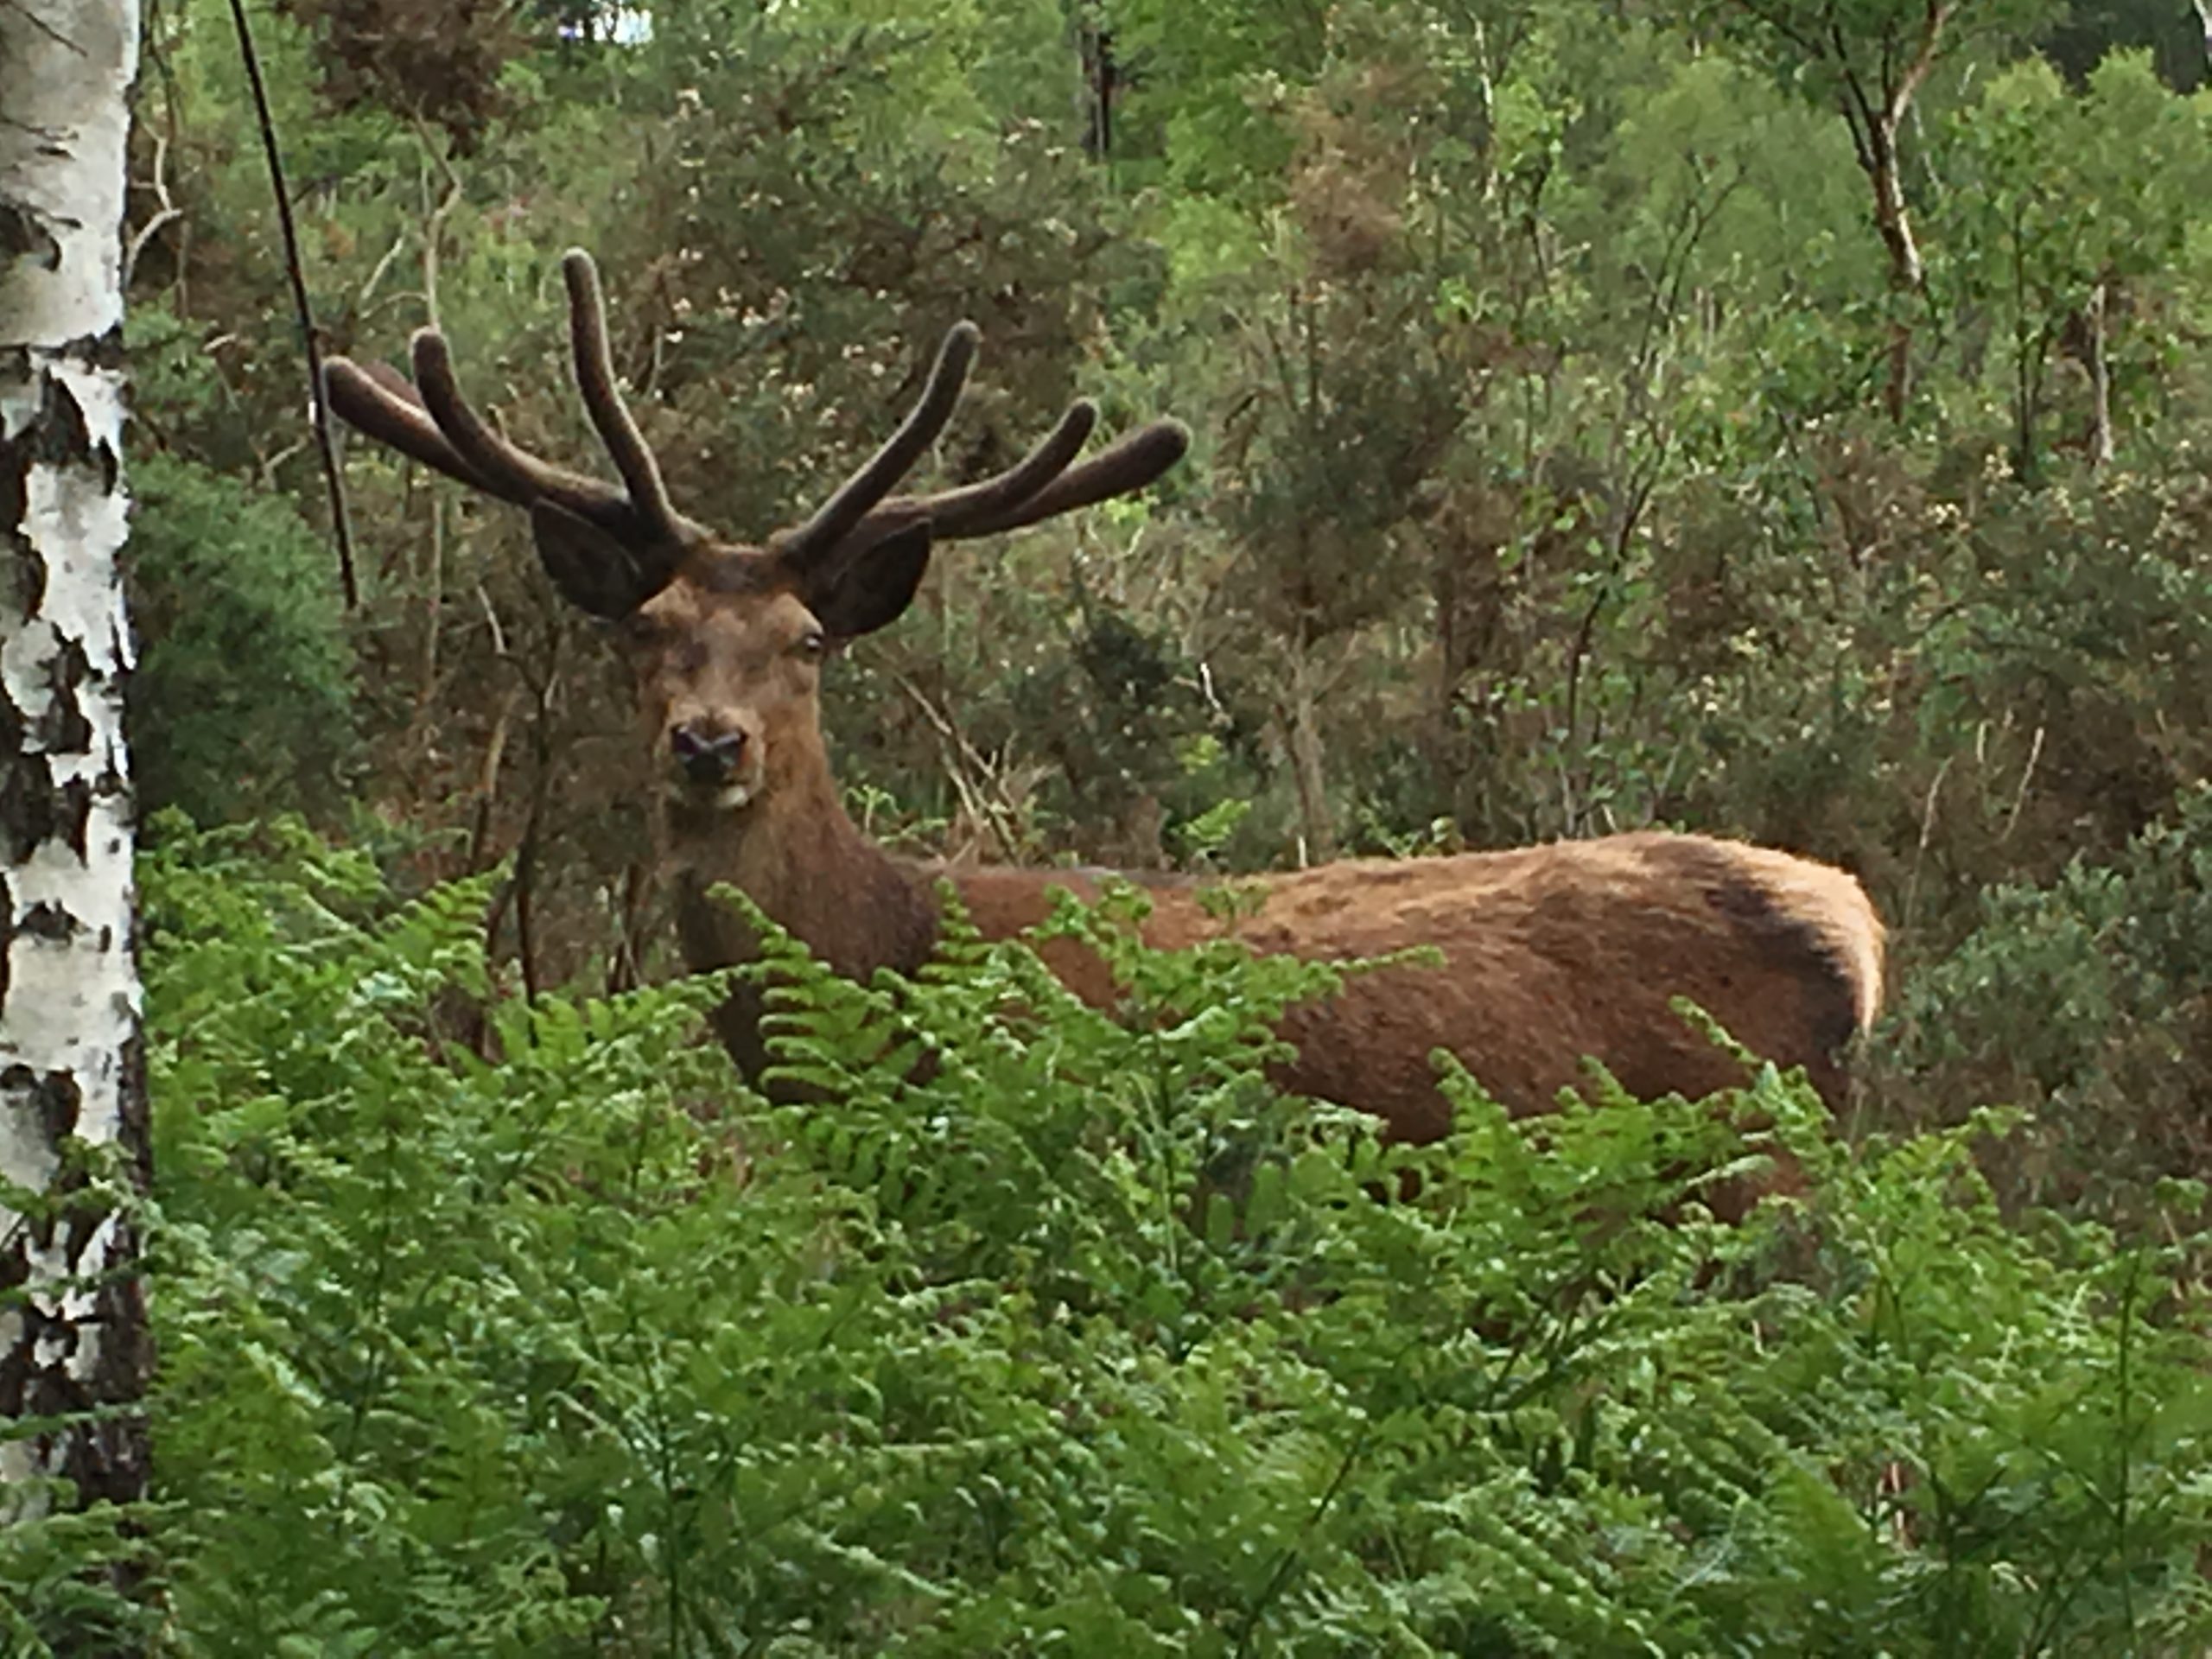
(1553, 953)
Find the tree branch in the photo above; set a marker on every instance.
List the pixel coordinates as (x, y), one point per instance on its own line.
(1931, 38)
(166, 213)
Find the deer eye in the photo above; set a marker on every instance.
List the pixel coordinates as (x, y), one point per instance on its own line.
(812, 644)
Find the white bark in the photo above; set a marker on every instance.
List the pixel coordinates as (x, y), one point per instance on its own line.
(72, 1326)
(2099, 367)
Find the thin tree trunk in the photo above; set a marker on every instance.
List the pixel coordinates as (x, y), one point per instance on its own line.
(1893, 220)
(1101, 81)
(74, 1343)
(2099, 368)
(1876, 115)
(1308, 769)
(1451, 657)
(1469, 588)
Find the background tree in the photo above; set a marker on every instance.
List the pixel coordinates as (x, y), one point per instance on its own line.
(1870, 61)
(73, 1136)
(2065, 203)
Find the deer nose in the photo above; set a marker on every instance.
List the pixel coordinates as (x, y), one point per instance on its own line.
(706, 757)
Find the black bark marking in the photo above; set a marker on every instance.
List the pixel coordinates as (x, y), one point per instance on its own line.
(25, 572)
(47, 920)
(136, 1134)
(63, 729)
(24, 236)
(13, 726)
(75, 815)
(52, 1097)
(59, 435)
(103, 351)
(27, 802)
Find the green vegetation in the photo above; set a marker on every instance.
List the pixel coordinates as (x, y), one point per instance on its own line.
(242, 701)
(1575, 449)
(1089, 1344)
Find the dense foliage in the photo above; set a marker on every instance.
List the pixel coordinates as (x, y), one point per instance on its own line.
(1606, 413)
(1089, 1344)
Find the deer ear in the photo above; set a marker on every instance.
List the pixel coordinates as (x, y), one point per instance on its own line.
(592, 569)
(873, 586)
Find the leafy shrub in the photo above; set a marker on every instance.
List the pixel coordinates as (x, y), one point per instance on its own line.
(1084, 1340)
(241, 703)
(2082, 999)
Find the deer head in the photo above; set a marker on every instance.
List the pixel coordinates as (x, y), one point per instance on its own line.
(727, 638)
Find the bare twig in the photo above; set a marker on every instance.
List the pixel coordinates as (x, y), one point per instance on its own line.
(1927, 833)
(520, 889)
(433, 222)
(1923, 59)
(959, 755)
(527, 853)
(376, 271)
(2020, 795)
(487, 779)
(339, 528)
(434, 599)
(269, 464)
(492, 621)
(168, 212)
(625, 968)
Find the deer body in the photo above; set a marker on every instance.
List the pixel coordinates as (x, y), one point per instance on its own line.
(1551, 953)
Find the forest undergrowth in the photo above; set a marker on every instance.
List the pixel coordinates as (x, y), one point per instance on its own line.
(501, 1326)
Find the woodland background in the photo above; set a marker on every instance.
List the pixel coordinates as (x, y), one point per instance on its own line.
(1781, 418)
(1553, 472)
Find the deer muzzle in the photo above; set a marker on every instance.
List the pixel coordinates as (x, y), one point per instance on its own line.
(711, 763)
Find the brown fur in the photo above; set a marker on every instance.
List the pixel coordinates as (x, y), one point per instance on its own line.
(1551, 953)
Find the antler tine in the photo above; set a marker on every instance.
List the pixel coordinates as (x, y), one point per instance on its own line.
(950, 511)
(1121, 469)
(838, 516)
(508, 470)
(376, 399)
(594, 363)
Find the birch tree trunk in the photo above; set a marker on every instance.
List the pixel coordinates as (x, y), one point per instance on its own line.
(2099, 367)
(73, 1152)
(1301, 716)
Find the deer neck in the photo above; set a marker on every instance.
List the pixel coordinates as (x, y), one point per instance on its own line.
(798, 855)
